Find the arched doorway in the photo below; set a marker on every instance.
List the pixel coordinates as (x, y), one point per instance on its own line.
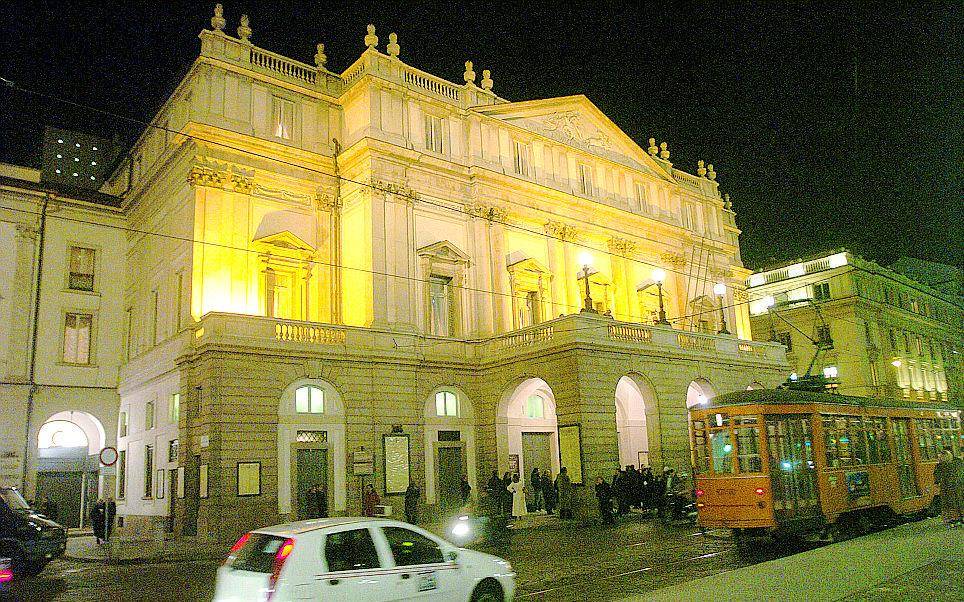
(633, 397)
(699, 392)
(311, 450)
(449, 447)
(526, 433)
(68, 445)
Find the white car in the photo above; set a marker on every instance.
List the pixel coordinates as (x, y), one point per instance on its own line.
(358, 559)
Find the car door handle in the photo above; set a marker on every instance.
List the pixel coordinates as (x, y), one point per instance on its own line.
(334, 581)
(406, 575)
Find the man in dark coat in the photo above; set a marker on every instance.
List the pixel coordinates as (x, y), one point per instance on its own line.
(506, 495)
(110, 511)
(548, 492)
(97, 519)
(604, 494)
(411, 502)
(320, 495)
(465, 490)
(493, 490)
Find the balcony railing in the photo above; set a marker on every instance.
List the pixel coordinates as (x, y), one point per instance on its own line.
(576, 329)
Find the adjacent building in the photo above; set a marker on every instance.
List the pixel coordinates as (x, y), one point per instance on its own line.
(891, 336)
(61, 326)
(330, 280)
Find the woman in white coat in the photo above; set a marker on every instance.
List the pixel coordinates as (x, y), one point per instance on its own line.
(518, 497)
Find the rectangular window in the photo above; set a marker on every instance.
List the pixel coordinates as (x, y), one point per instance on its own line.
(869, 335)
(520, 156)
(122, 425)
(148, 471)
(282, 117)
(878, 451)
(433, 133)
(640, 190)
(249, 478)
(122, 474)
(351, 550)
(721, 445)
(446, 404)
(178, 301)
(77, 331)
(585, 179)
(535, 407)
(159, 480)
(920, 345)
(748, 449)
(277, 293)
(173, 448)
(699, 445)
(874, 374)
(449, 436)
(202, 481)
(174, 408)
(823, 335)
(440, 305)
(148, 415)
(154, 316)
(80, 275)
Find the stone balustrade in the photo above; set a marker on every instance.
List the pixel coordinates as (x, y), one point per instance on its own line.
(576, 329)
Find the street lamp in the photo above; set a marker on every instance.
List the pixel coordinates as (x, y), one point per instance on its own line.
(586, 260)
(720, 289)
(659, 275)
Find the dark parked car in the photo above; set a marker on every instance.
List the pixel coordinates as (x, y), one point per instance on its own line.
(27, 538)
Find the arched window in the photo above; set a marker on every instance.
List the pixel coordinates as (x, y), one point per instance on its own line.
(446, 404)
(535, 407)
(310, 399)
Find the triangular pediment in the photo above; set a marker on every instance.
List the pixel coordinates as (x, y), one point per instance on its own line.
(285, 240)
(576, 121)
(445, 250)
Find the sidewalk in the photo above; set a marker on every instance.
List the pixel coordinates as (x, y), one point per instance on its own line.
(86, 549)
(917, 561)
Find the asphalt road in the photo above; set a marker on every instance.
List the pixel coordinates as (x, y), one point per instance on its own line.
(568, 562)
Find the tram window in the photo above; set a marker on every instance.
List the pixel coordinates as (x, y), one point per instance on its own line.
(845, 441)
(748, 449)
(858, 442)
(877, 450)
(699, 446)
(721, 444)
(928, 438)
(947, 435)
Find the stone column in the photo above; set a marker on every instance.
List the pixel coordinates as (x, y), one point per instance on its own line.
(557, 265)
(480, 275)
(501, 301)
(380, 250)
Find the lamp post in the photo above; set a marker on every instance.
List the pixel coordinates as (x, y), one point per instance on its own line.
(586, 260)
(720, 289)
(659, 275)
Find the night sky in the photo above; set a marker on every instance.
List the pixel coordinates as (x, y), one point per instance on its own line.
(829, 124)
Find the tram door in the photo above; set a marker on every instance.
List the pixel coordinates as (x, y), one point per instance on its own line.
(792, 470)
(906, 475)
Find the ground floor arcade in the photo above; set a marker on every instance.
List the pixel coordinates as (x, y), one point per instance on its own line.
(269, 422)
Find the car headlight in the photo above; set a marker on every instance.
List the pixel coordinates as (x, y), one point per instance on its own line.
(461, 529)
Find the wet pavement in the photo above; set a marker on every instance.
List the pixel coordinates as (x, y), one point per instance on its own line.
(554, 562)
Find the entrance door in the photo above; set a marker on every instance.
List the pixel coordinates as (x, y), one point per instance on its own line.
(450, 473)
(535, 453)
(906, 475)
(64, 490)
(192, 495)
(792, 470)
(171, 498)
(311, 483)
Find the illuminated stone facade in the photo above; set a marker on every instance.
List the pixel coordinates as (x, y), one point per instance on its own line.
(383, 238)
(892, 336)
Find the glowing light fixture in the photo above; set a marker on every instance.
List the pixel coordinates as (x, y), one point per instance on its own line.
(757, 279)
(838, 260)
(897, 363)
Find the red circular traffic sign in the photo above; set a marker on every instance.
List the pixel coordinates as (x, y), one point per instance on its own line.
(108, 456)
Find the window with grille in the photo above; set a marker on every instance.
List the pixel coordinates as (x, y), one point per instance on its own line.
(282, 117)
(173, 448)
(446, 404)
(77, 335)
(449, 436)
(520, 155)
(433, 133)
(310, 399)
(535, 407)
(312, 437)
(81, 272)
(121, 474)
(823, 335)
(174, 408)
(148, 471)
(786, 340)
(148, 415)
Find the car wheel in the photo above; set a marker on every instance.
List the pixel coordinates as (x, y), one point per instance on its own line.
(488, 591)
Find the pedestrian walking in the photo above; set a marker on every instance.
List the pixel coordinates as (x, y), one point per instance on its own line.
(412, 494)
(949, 477)
(110, 511)
(465, 490)
(369, 501)
(604, 495)
(506, 495)
(494, 490)
(518, 497)
(548, 491)
(535, 485)
(97, 516)
(564, 487)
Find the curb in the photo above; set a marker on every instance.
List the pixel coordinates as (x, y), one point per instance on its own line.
(149, 560)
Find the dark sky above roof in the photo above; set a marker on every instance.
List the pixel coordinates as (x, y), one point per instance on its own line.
(830, 124)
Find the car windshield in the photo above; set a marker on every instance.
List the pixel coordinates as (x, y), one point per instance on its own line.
(13, 499)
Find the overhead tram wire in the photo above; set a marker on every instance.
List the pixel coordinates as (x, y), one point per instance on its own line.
(416, 198)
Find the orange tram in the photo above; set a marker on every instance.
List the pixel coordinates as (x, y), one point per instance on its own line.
(784, 462)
